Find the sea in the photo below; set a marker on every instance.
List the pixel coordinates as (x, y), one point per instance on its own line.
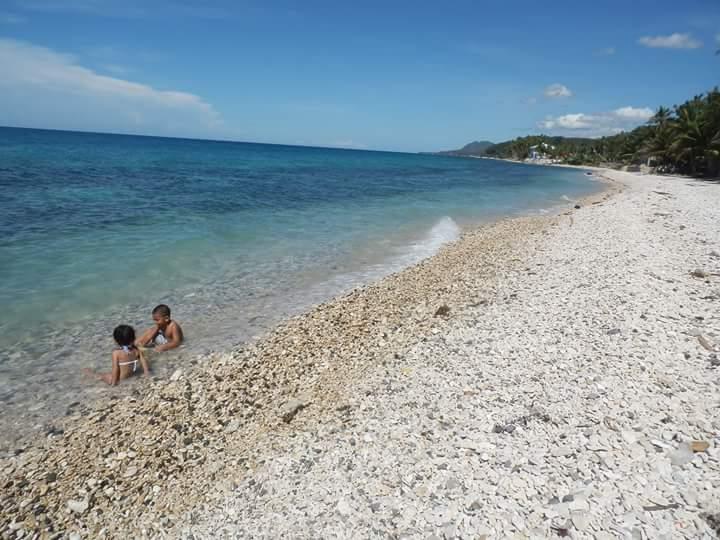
(96, 229)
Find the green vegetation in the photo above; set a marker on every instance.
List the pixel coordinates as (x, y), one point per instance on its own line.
(684, 139)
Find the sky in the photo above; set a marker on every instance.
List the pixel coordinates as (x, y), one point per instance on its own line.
(391, 75)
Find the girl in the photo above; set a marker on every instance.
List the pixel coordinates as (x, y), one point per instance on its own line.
(125, 360)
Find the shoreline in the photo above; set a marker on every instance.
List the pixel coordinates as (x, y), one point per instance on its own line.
(227, 296)
(567, 405)
(158, 447)
(33, 407)
(356, 320)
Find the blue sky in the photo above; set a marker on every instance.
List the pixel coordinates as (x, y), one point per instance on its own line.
(402, 75)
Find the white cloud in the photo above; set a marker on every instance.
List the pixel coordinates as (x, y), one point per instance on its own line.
(717, 38)
(673, 41)
(641, 114)
(557, 91)
(568, 121)
(44, 88)
(598, 124)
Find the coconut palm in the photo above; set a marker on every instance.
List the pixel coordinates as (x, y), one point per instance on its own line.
(691, 137)
(656, 144)
(661, 117)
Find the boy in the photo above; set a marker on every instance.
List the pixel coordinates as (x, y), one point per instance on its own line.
(166, 334)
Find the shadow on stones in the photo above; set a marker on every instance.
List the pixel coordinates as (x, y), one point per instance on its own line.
(713, 520)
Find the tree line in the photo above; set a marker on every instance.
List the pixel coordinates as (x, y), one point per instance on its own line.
(684, 139)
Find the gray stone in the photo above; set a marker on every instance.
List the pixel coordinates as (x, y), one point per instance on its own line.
(79, 507)
(452, 483)
(682, 455)
(475, 506)
(290, 408)
(343, 507)
(562, 451)
(579, 520)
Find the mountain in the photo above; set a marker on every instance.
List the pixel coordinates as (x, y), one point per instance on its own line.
(475, 148)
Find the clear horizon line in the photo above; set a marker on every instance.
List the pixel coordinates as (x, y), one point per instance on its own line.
(224, 141)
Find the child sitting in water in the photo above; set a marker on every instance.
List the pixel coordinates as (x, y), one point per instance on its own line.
(165, 334)
(125, 360)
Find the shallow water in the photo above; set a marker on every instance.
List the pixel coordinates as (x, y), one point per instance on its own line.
(97, 229)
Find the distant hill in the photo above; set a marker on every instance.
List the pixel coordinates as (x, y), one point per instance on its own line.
(475, 148)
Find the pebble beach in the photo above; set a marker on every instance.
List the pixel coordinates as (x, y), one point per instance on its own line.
(541, 377)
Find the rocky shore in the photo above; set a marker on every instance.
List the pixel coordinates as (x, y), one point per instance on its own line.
(552, 376)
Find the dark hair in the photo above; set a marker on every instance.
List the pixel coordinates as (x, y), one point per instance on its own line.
(161, 310)
(124, 335)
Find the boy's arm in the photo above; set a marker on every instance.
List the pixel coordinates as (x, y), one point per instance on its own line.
(144, 363)
(174, 341)
(146, 336)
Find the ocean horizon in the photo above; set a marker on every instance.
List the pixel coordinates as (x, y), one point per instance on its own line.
(212, 140)
(234, 236)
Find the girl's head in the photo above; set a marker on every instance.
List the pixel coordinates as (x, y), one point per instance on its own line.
(124, 335)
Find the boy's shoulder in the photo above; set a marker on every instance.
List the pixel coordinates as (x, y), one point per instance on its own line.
(174, 325)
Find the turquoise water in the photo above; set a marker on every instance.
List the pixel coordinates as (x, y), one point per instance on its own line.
(96, 229)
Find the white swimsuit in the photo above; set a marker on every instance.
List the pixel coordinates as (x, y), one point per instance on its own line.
(134, 363)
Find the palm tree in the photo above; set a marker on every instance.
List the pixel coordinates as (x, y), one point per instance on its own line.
(661, 117)
(657, 142)
(691, 139)
(658, 146)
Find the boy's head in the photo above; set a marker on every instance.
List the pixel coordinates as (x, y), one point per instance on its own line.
(161, 315)
(124, 335)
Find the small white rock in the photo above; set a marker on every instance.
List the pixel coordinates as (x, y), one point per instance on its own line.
(79, 507)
